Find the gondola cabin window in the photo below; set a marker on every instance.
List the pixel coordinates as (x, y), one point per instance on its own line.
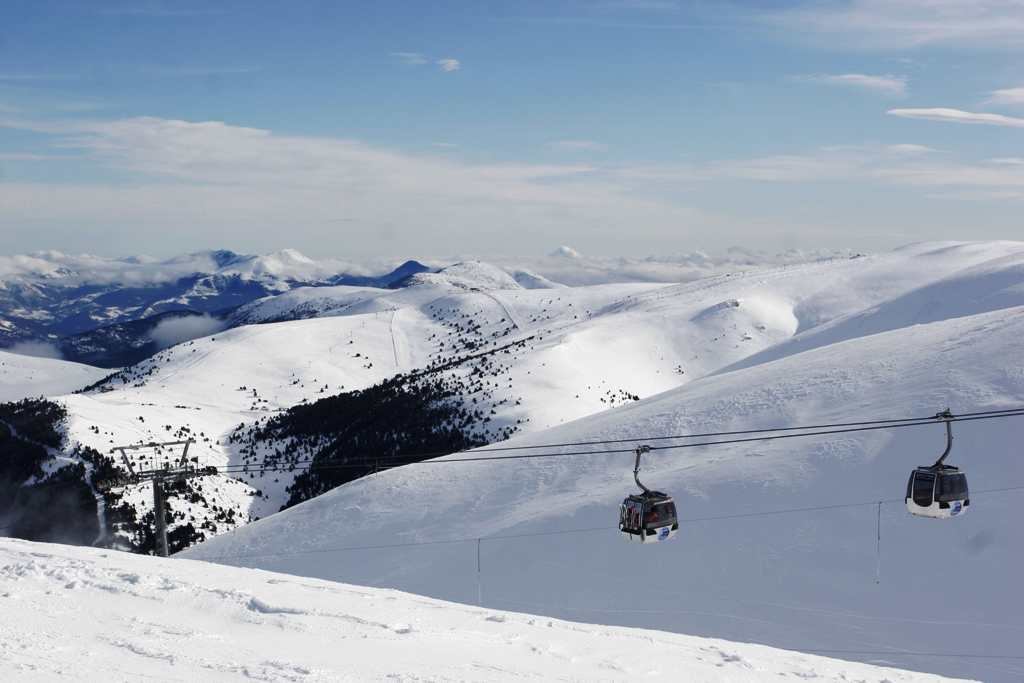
(924, 484)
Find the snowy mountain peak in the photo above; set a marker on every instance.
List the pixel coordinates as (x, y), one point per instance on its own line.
(468, 275)
(531, 280)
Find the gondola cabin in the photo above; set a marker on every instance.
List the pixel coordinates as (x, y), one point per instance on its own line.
(937, 492)
(648, 517)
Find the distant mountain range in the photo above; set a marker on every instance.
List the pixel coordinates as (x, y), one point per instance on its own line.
(104, 311)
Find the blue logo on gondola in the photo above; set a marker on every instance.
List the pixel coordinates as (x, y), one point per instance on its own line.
(957, 507)
(663, 534)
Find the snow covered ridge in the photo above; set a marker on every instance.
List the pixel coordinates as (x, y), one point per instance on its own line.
(126, 617)
(48, 296)
(478, 276)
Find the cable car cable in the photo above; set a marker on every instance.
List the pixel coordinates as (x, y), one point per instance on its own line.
(572, 531)
(825, 430)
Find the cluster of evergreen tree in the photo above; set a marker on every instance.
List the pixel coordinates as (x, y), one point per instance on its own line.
(56, 506)
(39, 503)
(342, 438)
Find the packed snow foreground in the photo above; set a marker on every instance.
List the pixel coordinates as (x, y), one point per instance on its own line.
(80, 614)
(801, 544)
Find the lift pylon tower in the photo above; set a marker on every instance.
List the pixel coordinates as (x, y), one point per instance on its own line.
(159, 467)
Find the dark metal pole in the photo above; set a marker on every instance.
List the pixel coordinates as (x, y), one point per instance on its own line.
(948, 418)
(160, 517)
(636, 469)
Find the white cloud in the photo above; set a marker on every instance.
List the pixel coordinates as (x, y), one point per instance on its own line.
(894, 86)
(984, 24)
(443, 144)
(36, 349)
(417, 59)
(210, 184)
(1013, 97)
(172, 330)
(565, 252)
(410, 58)
(569, 267)
(250, 187)
(576, 144)
(900, 165)
(957, 116)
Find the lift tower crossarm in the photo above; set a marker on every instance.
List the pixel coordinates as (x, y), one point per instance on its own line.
(172, 471)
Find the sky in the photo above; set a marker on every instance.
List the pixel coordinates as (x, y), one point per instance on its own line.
(415, 129)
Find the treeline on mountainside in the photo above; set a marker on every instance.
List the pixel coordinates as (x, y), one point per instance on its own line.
(55, 506)
(397, 422)
(39, 503)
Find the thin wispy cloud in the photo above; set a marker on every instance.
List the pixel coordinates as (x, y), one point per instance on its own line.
(191, 180)
(172, 71)
(957, 116)
(16, 156)
(443, 144)
(419, 59)
(977, 24)
(892, 86)
(894, 165)
(194, 173)
(29, 77)
(410, 58)
(215, 154)
(1010, 97)
(585, 145)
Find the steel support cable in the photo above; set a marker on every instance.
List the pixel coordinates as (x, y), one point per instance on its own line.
(823, 431)
(573, 531)
(900, 422)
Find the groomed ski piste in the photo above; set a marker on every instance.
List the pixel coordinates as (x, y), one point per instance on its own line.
(24, 376)
(89, 615)
(902, 334)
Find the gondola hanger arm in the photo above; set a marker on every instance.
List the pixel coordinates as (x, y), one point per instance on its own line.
(948, 418)
(640, 450)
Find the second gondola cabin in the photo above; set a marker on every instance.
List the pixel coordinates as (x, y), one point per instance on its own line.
(937, 493)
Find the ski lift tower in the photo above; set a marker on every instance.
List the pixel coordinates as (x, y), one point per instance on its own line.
(157, 463)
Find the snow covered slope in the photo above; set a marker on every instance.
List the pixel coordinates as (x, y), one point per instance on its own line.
(583, 351)
(93, 616)
(31, 377)
(802, 580)
(48, 295)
